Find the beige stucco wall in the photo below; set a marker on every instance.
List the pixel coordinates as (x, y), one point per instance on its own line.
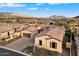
(29, 32)
(43, 41)
(4, 34)
(46, 43)
(59, 45)
(25, 31)
(14, 35)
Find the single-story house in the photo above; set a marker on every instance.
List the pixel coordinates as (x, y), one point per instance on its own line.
(30, 31)
(18, 27)
(6, 31)
(50, 39)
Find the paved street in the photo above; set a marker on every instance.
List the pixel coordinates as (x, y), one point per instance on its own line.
(73, 47)
(20, 44)
(9, 52)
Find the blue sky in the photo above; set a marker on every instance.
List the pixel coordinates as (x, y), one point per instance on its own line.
(41, 9)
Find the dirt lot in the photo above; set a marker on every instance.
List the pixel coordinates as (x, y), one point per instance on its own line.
(39, 52)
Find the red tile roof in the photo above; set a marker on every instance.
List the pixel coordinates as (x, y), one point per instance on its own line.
(56, 33)
(31, 28)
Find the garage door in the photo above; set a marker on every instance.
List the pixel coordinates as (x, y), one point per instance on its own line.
(26, 35)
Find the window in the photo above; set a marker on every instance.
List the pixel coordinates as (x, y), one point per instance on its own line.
(53, 45)
(40, 31)
(40, 42)
(15, 30)
(51, 23)
(8, 34)
(78, 35)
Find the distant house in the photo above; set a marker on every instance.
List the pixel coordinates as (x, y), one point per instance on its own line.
(50, 39)
(30, 31)
(42, 27)
(18, 27)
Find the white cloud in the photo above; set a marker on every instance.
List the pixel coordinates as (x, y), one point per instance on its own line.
(33, 8)
(38, 4)
(11, 5)
(54, 3)
(48, 9)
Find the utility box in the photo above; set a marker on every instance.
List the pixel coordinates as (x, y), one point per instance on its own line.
(68, 45)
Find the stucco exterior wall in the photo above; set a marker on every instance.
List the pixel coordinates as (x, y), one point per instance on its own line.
(46, 43)
(59, 45)
(5, 35)
(29, 32)
(14, 35)
(25, 31)
(43, 41)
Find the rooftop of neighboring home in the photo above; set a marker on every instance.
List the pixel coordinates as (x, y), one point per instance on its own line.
(47, 25)
(5, 27)
(34, 27)
(56, 33)
(42, 26)
(31, 28)
(17, 25)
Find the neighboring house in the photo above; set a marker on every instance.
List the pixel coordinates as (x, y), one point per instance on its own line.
(18, 27)
(6, 31)
(51, 39)
(30, 31)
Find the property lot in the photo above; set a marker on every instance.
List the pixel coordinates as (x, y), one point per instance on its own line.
(39, 51)
(20, 43)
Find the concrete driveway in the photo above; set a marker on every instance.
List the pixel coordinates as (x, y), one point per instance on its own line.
(20, 43)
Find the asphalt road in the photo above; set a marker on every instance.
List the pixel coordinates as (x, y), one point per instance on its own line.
(9, 52)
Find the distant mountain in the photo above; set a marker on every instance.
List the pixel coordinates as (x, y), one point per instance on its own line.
(7, 15)
(55, 16)
(76, 17)
(14, 15)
